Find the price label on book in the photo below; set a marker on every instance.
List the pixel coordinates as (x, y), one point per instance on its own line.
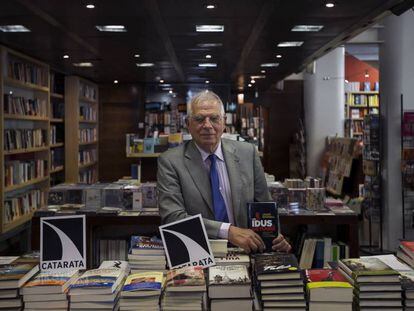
(62, 243)
(186, 243)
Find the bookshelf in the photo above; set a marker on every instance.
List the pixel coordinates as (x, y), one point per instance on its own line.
(250, 120)
(24, 137)
(359, 104)
(57, 128)
(81, 130)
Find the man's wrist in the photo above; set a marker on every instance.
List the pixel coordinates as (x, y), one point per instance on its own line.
(224, 231)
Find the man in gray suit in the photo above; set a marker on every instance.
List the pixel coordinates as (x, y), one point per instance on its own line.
(214, 177)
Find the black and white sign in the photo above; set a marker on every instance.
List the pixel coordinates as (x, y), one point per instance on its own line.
(62, 243)
(186, 243)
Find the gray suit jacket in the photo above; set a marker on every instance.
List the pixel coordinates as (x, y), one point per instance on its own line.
(184, 185)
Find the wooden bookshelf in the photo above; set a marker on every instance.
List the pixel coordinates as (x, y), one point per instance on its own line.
(18, 82)
(81, 96)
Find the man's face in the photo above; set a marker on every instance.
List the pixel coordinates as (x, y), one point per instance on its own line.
(206, 125)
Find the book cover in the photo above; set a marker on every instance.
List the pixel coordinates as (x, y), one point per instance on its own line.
(233, 259)
(51, 279)
(316, 278)
(366, 266)
(407, 280)
(408, 247)
(275, 263)
(98, 278)
(228, 275)
(15, 274)
(264, 220)
(149, 280)
(187, 276)
(140, 242)
(115, 264)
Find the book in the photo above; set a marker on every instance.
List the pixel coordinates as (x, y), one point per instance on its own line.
(143, 284)
(368, 269)
(328, 285)
(233, 259)
(15, 274)
(97, 281)
(229, 282)
(264, 220)
(185, 279)
(231, 304)
(49, 283)
(141, 245)
(115, 264)
(408, 248)
(276, 266)
(219, 247)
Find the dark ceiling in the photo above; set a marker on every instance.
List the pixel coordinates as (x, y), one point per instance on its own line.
(163, 32)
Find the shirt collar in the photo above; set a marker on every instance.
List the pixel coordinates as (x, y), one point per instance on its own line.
(218, 152)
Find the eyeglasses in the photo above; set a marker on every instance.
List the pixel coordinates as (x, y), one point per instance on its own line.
(215, 118)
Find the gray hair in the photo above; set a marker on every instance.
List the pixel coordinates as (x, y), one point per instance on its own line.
(204, 96)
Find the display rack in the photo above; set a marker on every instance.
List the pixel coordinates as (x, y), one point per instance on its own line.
(24, 137)
(81, 130)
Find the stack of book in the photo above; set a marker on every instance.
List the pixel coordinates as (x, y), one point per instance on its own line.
(185, 289)
(233, 258)
(327, 290)
(229, 287)
(142, 291)
(97, 289)
(406, 252)
(376, 285)
(48, 291)
(279, 281)
(407, 283)
(13, 275)
(146, 254)
(219, 247)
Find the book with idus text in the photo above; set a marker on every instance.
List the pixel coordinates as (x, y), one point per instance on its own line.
(264, 220)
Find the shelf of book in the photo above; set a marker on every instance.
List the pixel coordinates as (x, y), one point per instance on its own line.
(57, 145)
(143, 155)
(24, 106)
(56, 95)
(60, 120)
(81, 120)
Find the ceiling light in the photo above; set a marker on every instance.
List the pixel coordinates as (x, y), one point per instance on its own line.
(14, 28)
(257, 77)
(66, 56)
(90, 6)
(263, 71)
(115, 81)
(174, 95)
(210, 6)
(278, 56)
(136, 55)
(145, 64)
(209, 28)
(208, 56)
(329, 4)
(252, 81)
(249, 85)
(207, 65)
(83, 64)
(288, 44)
(207, 82)
(170, 91)
(161, 81)
(209, 45)
(307, 28)
(111, 28)
(269, 65)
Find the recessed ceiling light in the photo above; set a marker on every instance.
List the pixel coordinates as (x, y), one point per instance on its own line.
(249, 85)
(210, 6)
(330, 4)
(252, 81)
(209, 28)
(174, 95)
(207, 65)
(137, 55)
(278, 56)
(209, 45)
(83, 64)
(257, 77)
(288, 44)
(115, 81)
(14, 28)
(66, 56)
(90, 6)
(170, 91)
(207, 82)
(307, 28)
(269, 65)
(263, 71)
(161, 81)
(111, 28)
(208, 56)
(145, 64)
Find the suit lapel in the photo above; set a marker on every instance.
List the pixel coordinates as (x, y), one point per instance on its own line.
(195, 167)
(233, 170)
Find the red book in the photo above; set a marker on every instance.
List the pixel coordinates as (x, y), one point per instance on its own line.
(408, 248)
(324, 275)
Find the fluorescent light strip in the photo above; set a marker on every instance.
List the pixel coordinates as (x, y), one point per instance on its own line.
(269, 65)
(207, 65)
(209, 45)
(209, 28)
(111, 28)
(307, 28)
(83, 64)
(14, 28)
(145, 64)
(288, 44)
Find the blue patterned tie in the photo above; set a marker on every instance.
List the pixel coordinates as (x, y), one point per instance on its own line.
(220, 212)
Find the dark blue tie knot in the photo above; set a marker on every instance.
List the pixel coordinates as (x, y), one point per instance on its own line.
(220, 211)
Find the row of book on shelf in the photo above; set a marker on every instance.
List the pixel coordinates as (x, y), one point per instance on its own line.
(269, 281)
(17, 139)
(87, 135)
(18, 172)
(20, 105)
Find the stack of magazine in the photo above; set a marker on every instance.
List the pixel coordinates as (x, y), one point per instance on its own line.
(142, 291)
(146, 254)
(185, 290)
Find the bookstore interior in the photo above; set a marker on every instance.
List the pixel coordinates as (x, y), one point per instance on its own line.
(207, 155)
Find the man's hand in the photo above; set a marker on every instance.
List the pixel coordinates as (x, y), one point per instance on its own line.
(280, 244)
(250, 241)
